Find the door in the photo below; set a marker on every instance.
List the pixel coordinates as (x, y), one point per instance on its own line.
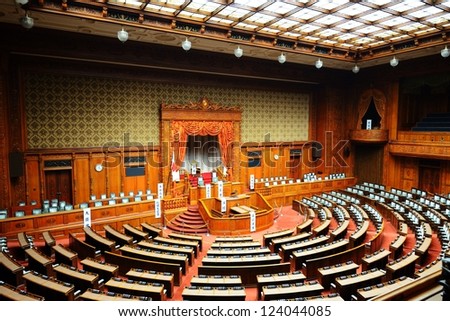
(58, 185)
(429, 176)
(369, 163)
(295, 166)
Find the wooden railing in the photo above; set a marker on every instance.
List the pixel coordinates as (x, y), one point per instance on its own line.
(64, 222)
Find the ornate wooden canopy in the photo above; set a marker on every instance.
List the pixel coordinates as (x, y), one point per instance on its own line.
(200, 118)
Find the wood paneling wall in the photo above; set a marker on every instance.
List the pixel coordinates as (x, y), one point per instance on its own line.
(86, 180)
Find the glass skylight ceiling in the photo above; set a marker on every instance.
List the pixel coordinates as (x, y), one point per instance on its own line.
(349, 25)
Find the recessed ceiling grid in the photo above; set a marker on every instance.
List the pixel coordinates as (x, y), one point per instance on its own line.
(341, 31)
(347, 25)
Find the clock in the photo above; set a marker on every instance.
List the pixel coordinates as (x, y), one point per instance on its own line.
(99, 167)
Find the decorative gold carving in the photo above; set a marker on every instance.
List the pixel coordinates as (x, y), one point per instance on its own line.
(204, 104)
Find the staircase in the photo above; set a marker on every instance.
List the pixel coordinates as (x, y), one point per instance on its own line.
(190, 222)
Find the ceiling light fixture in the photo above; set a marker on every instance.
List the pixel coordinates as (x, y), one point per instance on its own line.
(445, 52)
(27, 22)
(122, 35)
(394, 62)
(22, 2)
(238, 52)
(282, 58)
(319, 63)
(186, 44)
(355, 69)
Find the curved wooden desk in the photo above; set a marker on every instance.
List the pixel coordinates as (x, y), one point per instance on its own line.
(236, 220)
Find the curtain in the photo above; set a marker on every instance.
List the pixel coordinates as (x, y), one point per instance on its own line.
(180, 130)
(204, 152)
(364, 103)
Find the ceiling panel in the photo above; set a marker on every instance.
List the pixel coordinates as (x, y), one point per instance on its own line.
(338, 31)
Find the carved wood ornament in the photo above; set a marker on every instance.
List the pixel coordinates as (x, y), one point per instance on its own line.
(200, 118)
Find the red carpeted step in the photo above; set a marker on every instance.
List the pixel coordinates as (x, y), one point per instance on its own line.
(175, 226)
(189, 221)
(190, 217)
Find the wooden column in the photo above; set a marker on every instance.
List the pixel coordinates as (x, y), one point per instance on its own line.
(4, 171)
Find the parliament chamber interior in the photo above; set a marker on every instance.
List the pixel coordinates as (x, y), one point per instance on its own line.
(224, 150)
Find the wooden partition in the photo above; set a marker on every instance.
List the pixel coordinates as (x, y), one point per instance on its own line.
(236, 222)
(64, 222)
(282, 194)
(93, 171)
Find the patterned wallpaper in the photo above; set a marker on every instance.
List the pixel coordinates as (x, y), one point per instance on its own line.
(67, 111)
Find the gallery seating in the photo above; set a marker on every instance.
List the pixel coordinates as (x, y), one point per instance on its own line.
(82, 248)
(278, 279)
(103, 269)
(306, 226)
(49, 288)
(117, 236)
(396, 246)
(151, 259)
(287, 291)
(11, 271)
(287, 249)
(81, 279)
(137, 234)
(166, 278)
(247, 272)
(237, 244)
(98, 295)
(241, 260)
(152, 231)
(98, 241)
(377, 259)
(227, 251)
(156, 256)
(369, 292)
(268, 237)
(125, 263)
(404, 266)
(164, 247)
(188, 242)
(188, 237)
(11, 293)
(65, 255)
(328, 274)
(216, 280)
(138, 288)
(39, 262)
(347, 285)
(210, 293)
(301, 256)
(234, 239)
(49, 242)
(275, 243)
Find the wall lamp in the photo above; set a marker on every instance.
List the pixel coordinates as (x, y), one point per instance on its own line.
(186, 44)
(282, 58)
(394, 62)
(238, 52)
(445, 52)
(122, 35)
(318, 63)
